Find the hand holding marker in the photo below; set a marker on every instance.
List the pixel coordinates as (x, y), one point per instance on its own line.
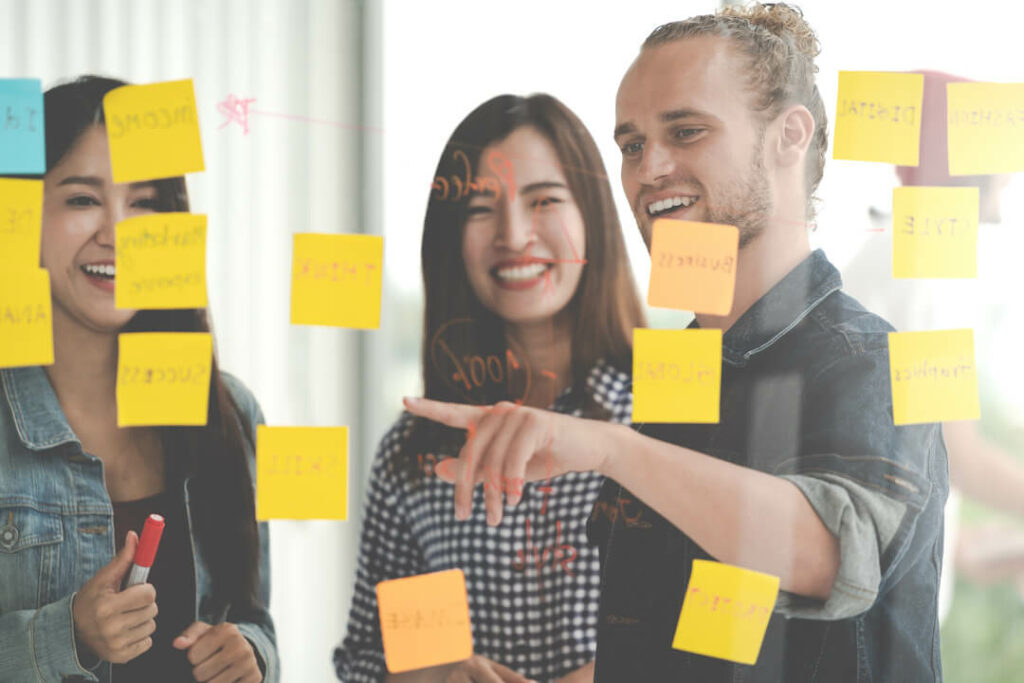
(146, 551)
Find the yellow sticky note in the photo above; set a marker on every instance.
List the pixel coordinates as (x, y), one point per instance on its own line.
(878, 117)
(424, 620)
(677, 375)
(336, 280)
(933, 376)
(693, 266)
(301, 472)
(935, 232)
(726, 611)
(26, 322)
(985, 128)
(153, 131)
(163, 378)
(161, 261)
(21, 219)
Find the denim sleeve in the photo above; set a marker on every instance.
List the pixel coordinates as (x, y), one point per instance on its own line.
(387, 550)
(38, 645)
(865, 522)
(868, 480)
(257, 627)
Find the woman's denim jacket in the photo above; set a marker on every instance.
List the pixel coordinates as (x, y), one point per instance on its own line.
(57, 531)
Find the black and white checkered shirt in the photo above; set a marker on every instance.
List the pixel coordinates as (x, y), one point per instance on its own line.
(533, 580)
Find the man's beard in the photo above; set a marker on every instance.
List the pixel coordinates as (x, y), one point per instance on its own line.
(746, 203)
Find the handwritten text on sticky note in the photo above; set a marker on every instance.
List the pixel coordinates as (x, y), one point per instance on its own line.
(21, 211)
(424, 620)
(725, 611)
(985, 128)
(163, 378)
(934, 232)
(301, 472)
(878, 117)
(693, 266)
(153, 131)
(26, 323)
(677, 375)
(336, 280)
(934, 378)
(161, 261)
(22, 142)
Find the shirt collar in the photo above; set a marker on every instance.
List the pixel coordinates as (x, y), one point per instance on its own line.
(37, 414)
(781, 308)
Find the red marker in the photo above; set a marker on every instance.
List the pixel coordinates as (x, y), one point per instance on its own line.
(146, 551)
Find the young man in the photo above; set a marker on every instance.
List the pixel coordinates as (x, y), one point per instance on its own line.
(805, 477)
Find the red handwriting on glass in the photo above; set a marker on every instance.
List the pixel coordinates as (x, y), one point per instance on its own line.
(469, 373)
(560, 554)
(337, 271)
(465, 186)
(480, 369)
(612, 511)
(235, 110)
(718, 603)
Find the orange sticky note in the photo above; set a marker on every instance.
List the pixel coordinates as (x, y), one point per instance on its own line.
(878, 117)
(153, 131)
(677, 375)
(726, 611)
(163, 378)
(933, 375)
(161, 261)
(424, 620)
(26, 321)
(336, 280)
(693, 266)
(935, 232)
(301, 472)
(985, 128)
(21, 216)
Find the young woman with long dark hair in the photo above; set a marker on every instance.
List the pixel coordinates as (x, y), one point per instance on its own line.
(530, 298)
(75, 488)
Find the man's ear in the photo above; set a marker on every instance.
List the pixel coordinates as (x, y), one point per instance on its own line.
(796, 130)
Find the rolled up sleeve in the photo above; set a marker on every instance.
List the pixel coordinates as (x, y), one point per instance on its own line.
(877, 487)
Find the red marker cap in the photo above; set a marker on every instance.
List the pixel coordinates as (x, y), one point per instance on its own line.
(151, 533)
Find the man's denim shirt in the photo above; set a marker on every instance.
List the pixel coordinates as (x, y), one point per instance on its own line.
(57, 531)
(805, 396)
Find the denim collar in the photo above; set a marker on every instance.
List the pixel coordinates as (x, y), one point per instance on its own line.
(781, 308)
(38, 417)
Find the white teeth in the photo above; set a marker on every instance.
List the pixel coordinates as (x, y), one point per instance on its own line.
(104, 270)
(522, 272)
(669, 203)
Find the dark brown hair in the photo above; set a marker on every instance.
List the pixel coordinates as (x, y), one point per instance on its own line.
(214, 456)
(780, 48)
(605, 307)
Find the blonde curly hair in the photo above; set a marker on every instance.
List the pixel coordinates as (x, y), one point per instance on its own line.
(780, 48)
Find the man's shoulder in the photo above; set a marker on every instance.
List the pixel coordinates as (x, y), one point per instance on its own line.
(845, 322)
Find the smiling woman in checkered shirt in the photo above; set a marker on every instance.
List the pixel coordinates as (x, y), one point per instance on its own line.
(529, 297)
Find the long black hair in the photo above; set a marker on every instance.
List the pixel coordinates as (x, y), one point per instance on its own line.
(214, 456)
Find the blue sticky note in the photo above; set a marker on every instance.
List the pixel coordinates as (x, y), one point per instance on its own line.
(22, 145)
